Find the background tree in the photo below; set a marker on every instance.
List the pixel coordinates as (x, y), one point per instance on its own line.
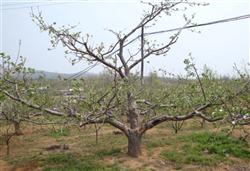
(11, 112)
(7, 136)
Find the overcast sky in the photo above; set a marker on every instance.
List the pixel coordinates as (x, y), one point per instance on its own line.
(218, 46)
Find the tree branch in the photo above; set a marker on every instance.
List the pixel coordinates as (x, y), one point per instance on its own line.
(110, 120)
(34, 106)
(197, 112)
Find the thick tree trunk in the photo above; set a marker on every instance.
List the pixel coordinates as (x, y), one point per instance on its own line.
(133, 114)
(133, 134)
(134, 144)
(17, 128)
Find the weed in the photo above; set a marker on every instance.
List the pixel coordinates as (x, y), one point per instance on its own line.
(173, 156)
(59, 133)
(220, 144)
(21, 160)
(71, 162)
(28, 139)
(2, 140)
(66, 162)
(108, 152)
(158, 143)
(207, 149)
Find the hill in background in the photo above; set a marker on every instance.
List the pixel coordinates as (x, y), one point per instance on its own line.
(55, 75)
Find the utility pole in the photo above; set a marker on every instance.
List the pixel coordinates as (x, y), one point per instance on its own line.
(142, 55)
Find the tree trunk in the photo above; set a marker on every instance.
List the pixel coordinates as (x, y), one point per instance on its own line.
(134, 136)
(7, 142)
(17, 128)
(133, 114)
(134, 144)
(96, 134)
(203, 122)
(8, 148)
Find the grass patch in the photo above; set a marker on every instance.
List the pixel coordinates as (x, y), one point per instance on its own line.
(161, 142)
(220, 144)
(28, 139)
(59, 133)
(72, 162)
(21, 160)
(2, 140)
(68, 161)
(207, 149)
(108, 152)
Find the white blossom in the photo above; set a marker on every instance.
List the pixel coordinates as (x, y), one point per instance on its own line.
(246, 116)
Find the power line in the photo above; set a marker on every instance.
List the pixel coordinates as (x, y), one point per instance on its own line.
(78, 74)
(15, 8)
(40, 1)
(19, 3)
(202, 24)
(187, 27)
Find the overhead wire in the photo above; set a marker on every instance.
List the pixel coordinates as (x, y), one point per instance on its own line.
(202, 24)
(18, 3)
(78, 74)
(38, 5)
(191, 26)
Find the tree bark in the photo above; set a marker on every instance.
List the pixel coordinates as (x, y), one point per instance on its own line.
(133, 114)
(7, 148)
(134, 135)
(134, 144)
(203, 121)
(17, 128)
(96, 134)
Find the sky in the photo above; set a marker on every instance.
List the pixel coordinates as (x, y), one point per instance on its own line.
(218, 46)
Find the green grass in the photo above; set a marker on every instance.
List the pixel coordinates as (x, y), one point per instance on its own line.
(21, 160)
(220, 144)
(59, 133)
(67, 161)
(161, 142)
(72, 162)
(2, 140)
(108, 152)
(207, 149)
(28, 139)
